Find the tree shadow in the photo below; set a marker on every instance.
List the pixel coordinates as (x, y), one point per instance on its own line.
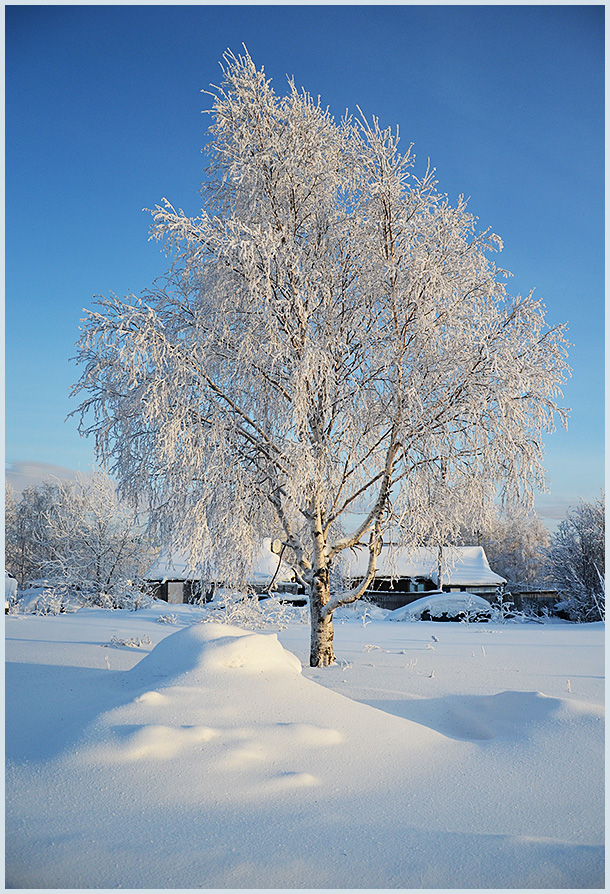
(508, 715)
(48, 707)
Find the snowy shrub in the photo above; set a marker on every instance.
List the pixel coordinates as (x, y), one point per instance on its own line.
(247, 611)
(167, 619)
(134, 642)
(505, 612)
(54, 599)
(126, 594)
(46, 600)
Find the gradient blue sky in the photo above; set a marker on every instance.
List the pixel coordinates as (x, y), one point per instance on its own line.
(103, 119)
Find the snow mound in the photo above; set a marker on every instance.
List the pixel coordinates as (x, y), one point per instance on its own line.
(308, 735)
(438, 604)
(507, 715)
(253, 652)
(504, 715)
(204, 649)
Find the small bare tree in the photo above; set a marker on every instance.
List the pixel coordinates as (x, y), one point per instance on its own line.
(331, 348)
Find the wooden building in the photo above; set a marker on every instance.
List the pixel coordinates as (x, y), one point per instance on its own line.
(404, 575)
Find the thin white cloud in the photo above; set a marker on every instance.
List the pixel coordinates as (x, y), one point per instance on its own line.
(27, 473)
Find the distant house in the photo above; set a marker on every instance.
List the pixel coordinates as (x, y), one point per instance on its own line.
(404, 575)
(174, 579)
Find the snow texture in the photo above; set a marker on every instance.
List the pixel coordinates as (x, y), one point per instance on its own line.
(430, 756)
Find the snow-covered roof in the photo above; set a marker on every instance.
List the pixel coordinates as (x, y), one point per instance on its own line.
(177, 566)
(464, 566)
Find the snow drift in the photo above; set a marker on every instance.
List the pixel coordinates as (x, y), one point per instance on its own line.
(217, 761)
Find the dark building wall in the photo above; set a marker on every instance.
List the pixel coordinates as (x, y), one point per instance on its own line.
(180, 591)
(394, 594)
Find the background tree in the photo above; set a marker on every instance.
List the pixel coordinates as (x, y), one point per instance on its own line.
(576, 561)
(331, 336)
(80, 536)
(96, 546)
(26, 531)
(516, 543)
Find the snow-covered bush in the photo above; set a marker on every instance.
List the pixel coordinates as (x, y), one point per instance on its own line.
(134, 642)
(248, 611)
(57, 598)
(503, 611)
(125, 594)
(167, 619)
(46, 599)
(576, 562)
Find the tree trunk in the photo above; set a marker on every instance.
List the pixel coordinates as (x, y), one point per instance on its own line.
(321, 644)
(321, 652)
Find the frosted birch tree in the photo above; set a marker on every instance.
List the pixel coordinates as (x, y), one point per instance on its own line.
(516, 543)
(79, 536)
(26, 540)
(95, 544)
(576, 561)
(333, 353)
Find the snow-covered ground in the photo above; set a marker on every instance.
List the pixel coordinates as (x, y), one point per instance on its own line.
(431, 756)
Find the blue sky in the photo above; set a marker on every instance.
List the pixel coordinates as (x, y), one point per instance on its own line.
(103, 119)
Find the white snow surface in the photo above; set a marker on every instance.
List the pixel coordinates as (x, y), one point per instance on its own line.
(430, 756)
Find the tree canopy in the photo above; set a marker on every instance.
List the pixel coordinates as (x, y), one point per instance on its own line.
(332, 354)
